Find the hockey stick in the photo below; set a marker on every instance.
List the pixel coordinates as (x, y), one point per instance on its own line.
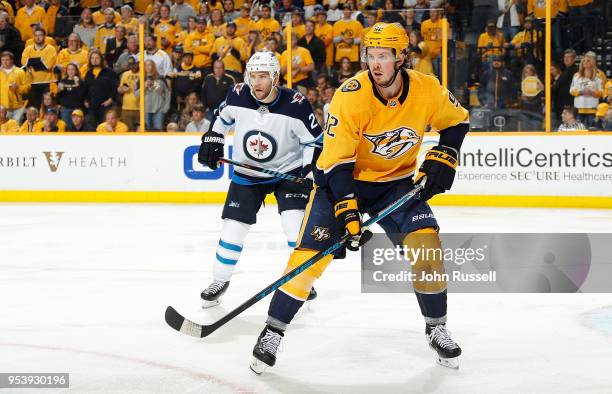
(277, 174)
(186, 326)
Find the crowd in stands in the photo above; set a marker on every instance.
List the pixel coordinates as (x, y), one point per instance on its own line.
(69, 65)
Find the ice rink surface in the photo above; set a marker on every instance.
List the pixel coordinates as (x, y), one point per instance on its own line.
(83, 289)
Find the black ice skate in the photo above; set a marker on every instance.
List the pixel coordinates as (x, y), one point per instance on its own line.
(312, 295)
(265, 349)
(447, 350)
(211, 296)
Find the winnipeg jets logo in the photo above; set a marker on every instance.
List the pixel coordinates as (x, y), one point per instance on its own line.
(320, 233)
(392, 144)
(53, 159)
(259, 146)
(238, 87)
(297, 98)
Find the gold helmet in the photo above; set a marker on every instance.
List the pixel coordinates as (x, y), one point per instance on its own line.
(387, 35)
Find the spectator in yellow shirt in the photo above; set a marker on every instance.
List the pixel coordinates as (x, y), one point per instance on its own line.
(527, 42)
(31, 119)
(14, 84)
(431, 30)
(231, 50)
(324, 31)
(200, 43)
(418, 53)
(166, 29)
(266, 25)
(608, 92)
(559, 8)
(7, 125)
(99, 17)
(347, 37)
(50, 122)
(297, 25)
(301, 65)
(490, 43)
(40, 59)
(128, 21)
(216, 25)
(48, 40)
(28, 15)
(112, 124)
(244, 23)
(106, 31)
(130, 111)
(73, 54)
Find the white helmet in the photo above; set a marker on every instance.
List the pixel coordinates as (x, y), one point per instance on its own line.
(262, 61)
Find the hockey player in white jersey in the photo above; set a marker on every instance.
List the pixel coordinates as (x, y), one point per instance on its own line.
(275, 128)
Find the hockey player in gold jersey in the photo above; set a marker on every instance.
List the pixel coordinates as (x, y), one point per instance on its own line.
(373, 133)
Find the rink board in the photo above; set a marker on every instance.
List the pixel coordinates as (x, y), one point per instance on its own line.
(573, 170)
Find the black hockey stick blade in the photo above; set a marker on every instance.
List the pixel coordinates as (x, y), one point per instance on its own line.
(188, 327)
(181, 324)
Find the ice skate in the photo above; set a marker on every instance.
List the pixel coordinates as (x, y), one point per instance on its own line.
(447, 350)
(312, 295)
(211, 296)
(264, 352)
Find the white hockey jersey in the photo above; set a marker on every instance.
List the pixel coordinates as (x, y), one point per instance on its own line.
(280, 136)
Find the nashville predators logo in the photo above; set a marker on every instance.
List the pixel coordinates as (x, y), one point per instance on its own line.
(320, 234)
(351, 86)
(392, 144)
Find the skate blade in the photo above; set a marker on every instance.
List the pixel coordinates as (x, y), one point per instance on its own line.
(452, 363)
(258, 366)
(210, 304)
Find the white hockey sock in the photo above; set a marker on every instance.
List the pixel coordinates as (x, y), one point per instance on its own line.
(229, 249)
(292, 221)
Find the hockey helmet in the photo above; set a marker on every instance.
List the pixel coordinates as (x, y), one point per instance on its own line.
(266, 62)
(386, 35)
(263, 61)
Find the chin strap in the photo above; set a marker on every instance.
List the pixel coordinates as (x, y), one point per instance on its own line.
(392, 79)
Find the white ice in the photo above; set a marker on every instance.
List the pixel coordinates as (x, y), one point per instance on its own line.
(83, 289)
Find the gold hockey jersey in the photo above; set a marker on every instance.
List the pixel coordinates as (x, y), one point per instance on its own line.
(382, 137)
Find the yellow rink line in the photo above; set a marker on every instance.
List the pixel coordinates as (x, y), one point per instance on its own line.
(219, 197)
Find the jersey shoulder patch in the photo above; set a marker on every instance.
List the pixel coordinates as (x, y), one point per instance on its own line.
(238, 87)
(240, 96)
(297, 98)
(351, 85)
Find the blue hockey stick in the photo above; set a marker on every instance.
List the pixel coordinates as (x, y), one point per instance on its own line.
(186, 326)
(276, 174)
